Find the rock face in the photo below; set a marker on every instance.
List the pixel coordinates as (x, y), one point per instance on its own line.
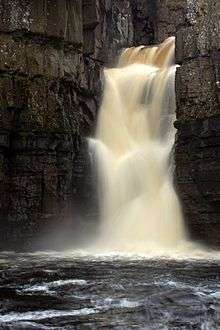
(198, 118)
(51, 59)
(43, 100)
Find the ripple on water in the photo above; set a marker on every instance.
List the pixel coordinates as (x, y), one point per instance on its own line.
(42, 315)
(46, 287)
(116, 291)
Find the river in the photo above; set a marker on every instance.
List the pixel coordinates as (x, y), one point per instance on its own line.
(80, 291)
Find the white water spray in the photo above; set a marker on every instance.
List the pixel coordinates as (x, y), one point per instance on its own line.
(134, 140)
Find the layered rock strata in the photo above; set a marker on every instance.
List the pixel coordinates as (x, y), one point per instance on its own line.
(51, 59)
(198, 119)
(51, 56)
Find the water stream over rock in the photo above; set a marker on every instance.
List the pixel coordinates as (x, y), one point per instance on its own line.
(134, 140)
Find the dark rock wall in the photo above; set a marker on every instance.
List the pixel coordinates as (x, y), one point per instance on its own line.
(44, 93)
(198, 118)
(51, 59)
(52, 53)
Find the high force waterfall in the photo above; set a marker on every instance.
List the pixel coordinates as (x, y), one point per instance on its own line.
(133, 145)
(110, 164)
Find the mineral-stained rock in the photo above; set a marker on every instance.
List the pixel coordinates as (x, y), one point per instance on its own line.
(169, 15)
(202, 37)
(60, 19)
(114, 31)
(197, 97)
(198, 120)
(12, 55)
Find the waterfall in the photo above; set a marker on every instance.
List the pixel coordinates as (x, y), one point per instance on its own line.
(134, 141)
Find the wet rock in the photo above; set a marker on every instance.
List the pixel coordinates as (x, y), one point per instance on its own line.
(57, 19)
(144, 21)
(50, 91)
(170, 14)
(12, 55)
(197, 97)
(197, 149)
(201, 38)
(52, 55)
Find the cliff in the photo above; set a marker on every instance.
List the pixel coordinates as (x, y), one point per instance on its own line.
(198, 119)
(51, 59)
(52, 53)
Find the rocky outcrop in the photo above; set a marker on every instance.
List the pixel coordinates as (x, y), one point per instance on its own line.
(198, 119)
(43, 95)
(51, 58)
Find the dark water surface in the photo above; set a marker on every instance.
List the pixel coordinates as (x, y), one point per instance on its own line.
(49, 291)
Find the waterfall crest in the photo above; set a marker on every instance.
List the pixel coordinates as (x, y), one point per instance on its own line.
(133, 144)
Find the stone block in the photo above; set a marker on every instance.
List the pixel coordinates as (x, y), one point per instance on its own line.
(12, 55)
(27, 186)
(38, 16)
(169, 15)
(57, 17)
(89, 42)
(196, 90)
(198, 175)
(52, 63)
(15, 15)
(32, 161)
(29, 142)
(72, 67)
(35, 54)
(7, 93)
(49, 105)
(64, 20)
(74, 31)
(31, 115)
(202, 37)
(90, 14)
(53, 18)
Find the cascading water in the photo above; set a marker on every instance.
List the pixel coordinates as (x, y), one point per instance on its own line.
(133, 144)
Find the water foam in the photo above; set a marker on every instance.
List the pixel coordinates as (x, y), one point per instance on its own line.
(140, 210)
